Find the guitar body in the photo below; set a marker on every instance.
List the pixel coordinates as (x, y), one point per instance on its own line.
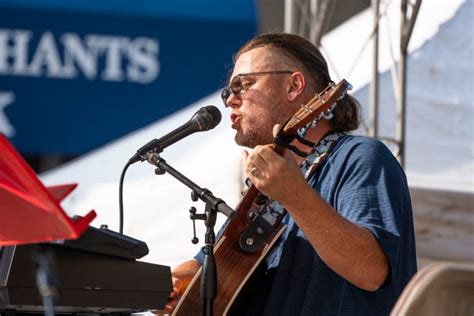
(234, 266)
(246, 240)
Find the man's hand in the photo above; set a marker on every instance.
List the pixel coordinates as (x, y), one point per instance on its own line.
(181, 277)
(271, 173)
(173, 300)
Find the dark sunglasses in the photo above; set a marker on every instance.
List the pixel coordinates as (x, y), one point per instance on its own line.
(235, 86)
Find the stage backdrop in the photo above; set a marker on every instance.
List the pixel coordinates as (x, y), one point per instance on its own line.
(76, 74)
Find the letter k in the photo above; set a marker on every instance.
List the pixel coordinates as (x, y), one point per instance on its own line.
(6, 98)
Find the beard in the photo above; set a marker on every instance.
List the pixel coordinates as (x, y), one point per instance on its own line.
(259, 128)
(253, 137)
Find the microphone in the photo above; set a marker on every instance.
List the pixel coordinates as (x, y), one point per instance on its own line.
(204, 119)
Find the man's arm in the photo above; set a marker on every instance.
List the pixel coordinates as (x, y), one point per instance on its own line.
(348, 249)
(181, 277)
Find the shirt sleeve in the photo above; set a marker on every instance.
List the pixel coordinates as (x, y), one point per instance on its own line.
(372, 192)
(199, 257)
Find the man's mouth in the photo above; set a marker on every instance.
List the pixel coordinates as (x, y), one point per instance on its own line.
(234, 118)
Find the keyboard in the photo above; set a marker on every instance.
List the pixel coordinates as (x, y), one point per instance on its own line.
(107, 242)
(87, 282)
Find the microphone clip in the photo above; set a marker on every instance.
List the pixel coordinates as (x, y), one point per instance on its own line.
(154, 158)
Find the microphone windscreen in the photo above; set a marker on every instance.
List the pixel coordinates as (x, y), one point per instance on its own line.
(216, 114)
(210, 115)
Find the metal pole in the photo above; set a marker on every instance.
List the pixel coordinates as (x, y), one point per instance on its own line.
(327, 11)
(289, 23)
(401, 106)
(313, 9)
(374, 87)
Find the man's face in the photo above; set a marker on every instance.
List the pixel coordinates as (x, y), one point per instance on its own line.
(262, 101)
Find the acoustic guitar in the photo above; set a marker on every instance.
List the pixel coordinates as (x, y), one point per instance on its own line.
(246, 240)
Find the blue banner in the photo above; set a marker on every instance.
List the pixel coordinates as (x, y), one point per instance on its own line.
(75, 76)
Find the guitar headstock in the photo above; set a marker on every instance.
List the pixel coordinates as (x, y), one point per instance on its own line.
(320, 105)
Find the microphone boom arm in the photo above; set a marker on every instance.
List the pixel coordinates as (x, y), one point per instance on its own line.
(204, 194)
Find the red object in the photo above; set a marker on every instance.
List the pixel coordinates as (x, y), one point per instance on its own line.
(30, 212)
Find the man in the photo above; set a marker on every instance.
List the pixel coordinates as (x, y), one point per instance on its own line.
(349, 246)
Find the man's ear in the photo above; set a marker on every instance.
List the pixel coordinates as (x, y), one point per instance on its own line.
(296, 86)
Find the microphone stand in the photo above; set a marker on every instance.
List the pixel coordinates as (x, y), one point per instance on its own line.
(213, 205)
(46, 279)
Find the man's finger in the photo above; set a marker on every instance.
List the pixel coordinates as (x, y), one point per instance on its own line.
(244, 156)
(175, 293)
(276, 129)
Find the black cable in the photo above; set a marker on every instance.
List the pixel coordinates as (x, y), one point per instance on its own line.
(122, 176)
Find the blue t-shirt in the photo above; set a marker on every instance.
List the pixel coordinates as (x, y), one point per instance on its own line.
(364, 182)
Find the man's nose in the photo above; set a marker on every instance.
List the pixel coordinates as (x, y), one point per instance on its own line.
(233, 101)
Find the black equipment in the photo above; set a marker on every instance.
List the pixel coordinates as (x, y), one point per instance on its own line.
(87, 282)
(107, 242)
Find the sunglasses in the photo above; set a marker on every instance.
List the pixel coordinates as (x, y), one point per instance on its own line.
(235, 86)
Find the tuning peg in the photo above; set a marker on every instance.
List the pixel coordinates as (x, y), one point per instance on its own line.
(327, 115)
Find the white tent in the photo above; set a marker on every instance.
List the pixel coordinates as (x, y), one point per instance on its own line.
(440, 113)
(440, 76)
(439, 135)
